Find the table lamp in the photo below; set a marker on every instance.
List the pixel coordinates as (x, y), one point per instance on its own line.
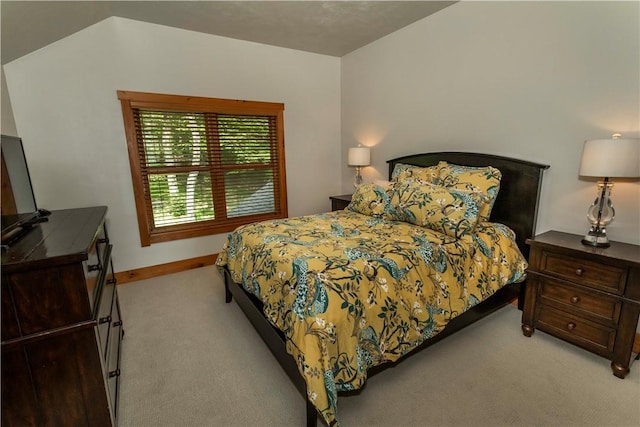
(607, 158)
(359, 157)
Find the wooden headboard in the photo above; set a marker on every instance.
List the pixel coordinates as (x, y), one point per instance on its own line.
(517, 203)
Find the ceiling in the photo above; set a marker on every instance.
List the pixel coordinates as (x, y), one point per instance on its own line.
(328, 27)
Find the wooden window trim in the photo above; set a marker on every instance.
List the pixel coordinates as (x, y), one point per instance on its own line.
(133, 100)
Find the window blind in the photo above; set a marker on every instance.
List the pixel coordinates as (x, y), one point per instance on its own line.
(207, 167)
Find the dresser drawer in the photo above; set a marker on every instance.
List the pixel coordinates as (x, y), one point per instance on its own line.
(113, 356)
(598, 338)
(105, 294)
(46, 298)
(587, 273)
(105, 318)
(594, 305)
(113, 386)
(102, 243)
(92, 268)
(113, 353)
(97, 261)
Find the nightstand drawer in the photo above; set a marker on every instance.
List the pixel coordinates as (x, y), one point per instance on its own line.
(593, 336)
(584, 272)
(597, 306)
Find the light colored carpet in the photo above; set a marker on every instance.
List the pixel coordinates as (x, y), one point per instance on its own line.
(189, 359)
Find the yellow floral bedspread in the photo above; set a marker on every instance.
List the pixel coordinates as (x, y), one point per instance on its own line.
(351, 291)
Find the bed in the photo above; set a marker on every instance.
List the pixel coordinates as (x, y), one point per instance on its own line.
(339, 296)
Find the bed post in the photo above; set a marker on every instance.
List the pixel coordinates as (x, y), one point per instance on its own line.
(227, 292)
(272, 337)
(312, 415)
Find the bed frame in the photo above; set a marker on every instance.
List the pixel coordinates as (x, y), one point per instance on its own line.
(516, 206)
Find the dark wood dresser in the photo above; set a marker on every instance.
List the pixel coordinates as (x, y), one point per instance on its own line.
(61, 324)
(584, 295)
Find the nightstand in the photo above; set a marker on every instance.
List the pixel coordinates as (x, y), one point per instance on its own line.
(584, 295)
(338, 203)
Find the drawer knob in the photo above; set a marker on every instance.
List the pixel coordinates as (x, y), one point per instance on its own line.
(94, 267)
(571, 326)
(579, 271)
(115, 373)
(575, 299)
(104, 320)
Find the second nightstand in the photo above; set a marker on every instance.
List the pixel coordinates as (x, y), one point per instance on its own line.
(584, 295)
(338, 203)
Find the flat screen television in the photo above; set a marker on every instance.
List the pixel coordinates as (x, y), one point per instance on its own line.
(19, 209)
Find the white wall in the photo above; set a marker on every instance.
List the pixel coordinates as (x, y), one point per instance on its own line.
(530, 80)
(67, 112)
(7, 124)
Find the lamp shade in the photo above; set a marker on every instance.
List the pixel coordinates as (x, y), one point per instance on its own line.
(359, 156)
(611, 158)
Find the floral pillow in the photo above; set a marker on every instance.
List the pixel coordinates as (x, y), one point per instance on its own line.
(423, 174)
(382, 183)
(369, 199)
(445, 210)
(484, 180)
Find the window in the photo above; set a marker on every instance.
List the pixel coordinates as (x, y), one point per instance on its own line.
(203, 165)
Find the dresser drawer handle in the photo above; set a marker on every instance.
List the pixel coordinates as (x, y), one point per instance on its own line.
(94, 267)
(104, 320)
(118, 323)
(105, 240)
(571, 326)
(579, 271)
(115, 373)
(575, 299)
(111, 281)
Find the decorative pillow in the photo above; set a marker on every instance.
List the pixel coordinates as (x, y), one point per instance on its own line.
(425, 175)
(445, 210)
(484, 180)
(382, 183)
(369, 199)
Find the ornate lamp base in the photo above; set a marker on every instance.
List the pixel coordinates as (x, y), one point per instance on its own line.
(596, 237)
(357, 182)
(600, 214)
